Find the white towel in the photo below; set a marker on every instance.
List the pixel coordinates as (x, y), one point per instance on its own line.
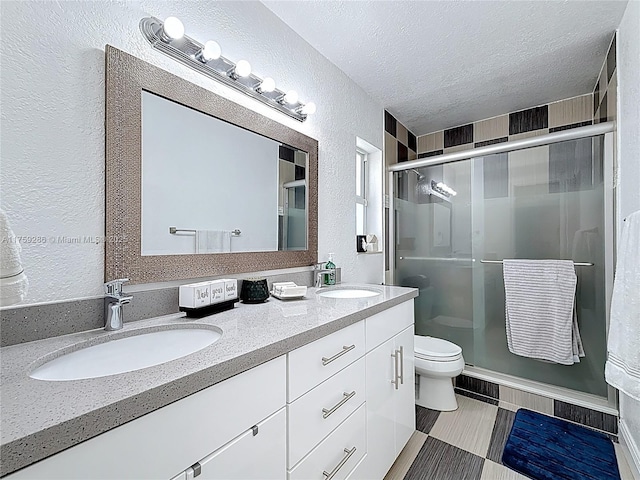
(13, 281)
(622, 369)
(540, 310)
(213, 241)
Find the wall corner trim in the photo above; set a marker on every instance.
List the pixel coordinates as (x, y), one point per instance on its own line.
(630, 448)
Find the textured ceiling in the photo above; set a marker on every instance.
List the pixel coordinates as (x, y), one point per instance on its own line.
(441, 64)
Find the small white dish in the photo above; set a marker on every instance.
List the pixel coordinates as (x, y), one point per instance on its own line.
(284, 295)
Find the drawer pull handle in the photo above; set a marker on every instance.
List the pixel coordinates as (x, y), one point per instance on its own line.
(345, 349)
(346, 458)
(401, 354)
(395, 369)
(327, 412)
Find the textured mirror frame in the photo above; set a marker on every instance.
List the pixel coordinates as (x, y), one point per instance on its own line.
(126, 78)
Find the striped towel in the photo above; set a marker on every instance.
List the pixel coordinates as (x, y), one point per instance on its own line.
(540, 310)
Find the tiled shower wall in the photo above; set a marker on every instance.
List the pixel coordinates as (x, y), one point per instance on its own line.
(400, 145)
(605, 92)
(569, 113)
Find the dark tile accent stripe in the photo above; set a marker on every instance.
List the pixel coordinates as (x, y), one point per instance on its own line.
(476, 396)
(568, 127)
(500, 433)
(413, 141)
(475, 385)
(496, 175)
(403, 153)
(611, 59)
(490, 142)
(390, 123)
(458, 136)
(286, 154)
(430, 154)
(586, 416)
(528, 120)
(442, 461)
(425, 418)
(603, 108)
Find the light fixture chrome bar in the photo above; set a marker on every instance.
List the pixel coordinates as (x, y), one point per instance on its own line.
(577, 264)
(562, 136)
(186, 50)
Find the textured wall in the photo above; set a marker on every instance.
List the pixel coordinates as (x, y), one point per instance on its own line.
(52, 135)
(629, 157)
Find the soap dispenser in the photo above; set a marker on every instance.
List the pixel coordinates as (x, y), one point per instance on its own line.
(330, 278)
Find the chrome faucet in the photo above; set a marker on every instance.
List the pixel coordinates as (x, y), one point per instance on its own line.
(113, 302)
(319, 271)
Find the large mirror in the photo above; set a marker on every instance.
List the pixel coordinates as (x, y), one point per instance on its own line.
(209, 186)
(197, 185)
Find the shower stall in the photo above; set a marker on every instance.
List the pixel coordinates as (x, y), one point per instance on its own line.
(455, 217)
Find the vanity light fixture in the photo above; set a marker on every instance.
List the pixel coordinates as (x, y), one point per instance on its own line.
(168, 37)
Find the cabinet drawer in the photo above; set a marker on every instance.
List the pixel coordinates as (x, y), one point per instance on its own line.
(168, 440)
(384, 325)
(340, 452)
(312, 364)
(339, 396)
(259, 457)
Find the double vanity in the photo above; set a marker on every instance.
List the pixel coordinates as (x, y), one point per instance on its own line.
(316, 388)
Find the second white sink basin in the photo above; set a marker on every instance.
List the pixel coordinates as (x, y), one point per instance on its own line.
(126, 354)
(348, 293)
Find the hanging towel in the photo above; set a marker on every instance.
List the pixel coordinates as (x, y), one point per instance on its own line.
(622, 369)
(213, 241)
(540, 310)
(13, 281)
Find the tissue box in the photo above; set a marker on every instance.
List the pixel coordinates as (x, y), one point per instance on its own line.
(195, 295)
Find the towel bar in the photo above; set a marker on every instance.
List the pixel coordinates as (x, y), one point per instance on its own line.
(577, 264)
(174, 230)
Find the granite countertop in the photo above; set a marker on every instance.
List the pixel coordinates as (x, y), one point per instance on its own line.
(40, 418)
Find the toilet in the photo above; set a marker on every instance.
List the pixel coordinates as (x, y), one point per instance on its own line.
(437, 362)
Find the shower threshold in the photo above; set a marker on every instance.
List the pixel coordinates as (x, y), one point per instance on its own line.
(587, 400)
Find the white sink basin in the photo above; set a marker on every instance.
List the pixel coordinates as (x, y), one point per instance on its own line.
(126, 354)
(348, 293)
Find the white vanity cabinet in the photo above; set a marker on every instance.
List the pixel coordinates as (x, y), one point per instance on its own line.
(326, 406)
(390, 397)
(167, 441)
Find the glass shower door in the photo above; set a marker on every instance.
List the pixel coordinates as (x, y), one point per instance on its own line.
(545, 202)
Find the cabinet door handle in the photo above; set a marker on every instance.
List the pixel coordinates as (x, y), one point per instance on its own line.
(401, 354)
(327, 412)
(395, 368)
(346, 458)
(345, 349)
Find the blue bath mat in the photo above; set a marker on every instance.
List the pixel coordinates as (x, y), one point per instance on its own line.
(547, 448)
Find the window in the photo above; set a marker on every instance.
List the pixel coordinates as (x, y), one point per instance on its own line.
(361, 192)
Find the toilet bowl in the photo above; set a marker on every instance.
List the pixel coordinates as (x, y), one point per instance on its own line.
(437, 362)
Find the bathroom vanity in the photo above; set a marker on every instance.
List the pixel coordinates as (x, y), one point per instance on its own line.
(317, 388)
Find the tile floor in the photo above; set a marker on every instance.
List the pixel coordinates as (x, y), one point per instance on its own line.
(465, 444)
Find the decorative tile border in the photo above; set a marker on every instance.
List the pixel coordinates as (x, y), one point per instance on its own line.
(511, 399)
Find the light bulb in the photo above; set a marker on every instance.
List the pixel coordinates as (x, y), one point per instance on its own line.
(267, 85)
(210, 51)
(291, 97)
(308, 109)
(173, 28)
(242, 68)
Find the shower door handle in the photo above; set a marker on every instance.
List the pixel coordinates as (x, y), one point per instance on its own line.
(395, 369)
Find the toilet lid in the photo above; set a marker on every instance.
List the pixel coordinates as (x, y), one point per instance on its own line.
(436, 348)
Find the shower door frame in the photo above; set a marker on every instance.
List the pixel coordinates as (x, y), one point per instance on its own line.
(607, 129)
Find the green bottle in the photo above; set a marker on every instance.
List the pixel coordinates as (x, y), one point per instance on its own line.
(330, 278)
